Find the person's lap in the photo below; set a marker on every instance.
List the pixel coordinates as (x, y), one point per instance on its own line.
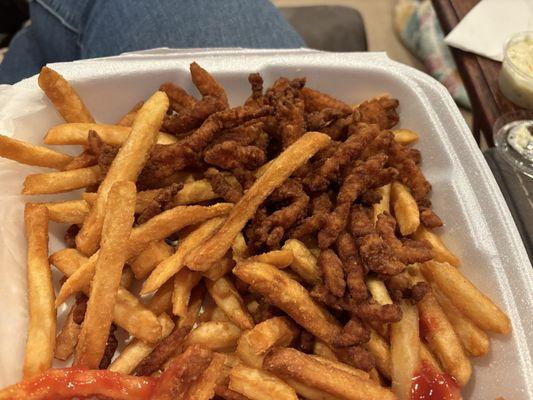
(65, 31)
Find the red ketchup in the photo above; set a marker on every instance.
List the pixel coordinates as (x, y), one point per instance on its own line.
(430, 384)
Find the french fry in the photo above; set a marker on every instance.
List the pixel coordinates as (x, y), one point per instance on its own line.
(63, 181)
(184, 281)
(239, 248)
(315, 373)
(291, 297)
(219, 315)
(381, 352)
(283, 166)
(118, 221)
(68, 337)
(466, 297)
(256, 384)
(405, 136)
(204, 387)
(128, 118)
(67, 212)
(219, 269)
(215, 335)
(255, 343)
(378, 290)
(63, 96)
(404, 351)
(173, 264)
(127, 277)
(42, 315)
(230, 301)
(441, 252)
(195, 192)
(384, 203)
(129, 313)
(126, 166)
(474, 340)
(29, 154)
(443, 340)
(78, 134)
(278, 258)
(137, 350)
(161, 301)
(428, 357)
(308, 392)
(193, 310)
(304, 263)
(157, 228)
(342, 366)
(405, 208)
(323, 350)
(147, 260)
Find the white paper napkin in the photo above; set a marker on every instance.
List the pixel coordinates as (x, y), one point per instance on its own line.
(486, 28)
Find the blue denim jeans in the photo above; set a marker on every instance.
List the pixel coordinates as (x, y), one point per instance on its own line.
(66, 30)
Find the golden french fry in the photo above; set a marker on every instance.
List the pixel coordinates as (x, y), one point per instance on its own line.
(466, 297)
(78, 134)
(443, 340)
(404, 351)
(137, 350)
(218, 315)
(42, 315)
(381, 352)
(129, 313)
(147, 260)
(63, 96)
(203, 388)
(184, 281)
(193, 310)
(255, 343)
(63, 181)
(161, 301)
(308, 392)
(304, 263)
(195, 192)
(214, 335)
(68, 337)
(239, 248)
(428, 357)
(67, 212)
(378, 290)
(474, 340)
(384, 203)
(219, 269)
(127, 277)
(324, 375)
(323, 350)
(291, 297)
(256, 384)
(283, 166)
(339, 365)
(405, 136)
(230, 301)
(157, 228)
(126, 166)
(442, 254)
(118, 220)
(405, 208)
(27, 153)
(171, 265)
(278, 258)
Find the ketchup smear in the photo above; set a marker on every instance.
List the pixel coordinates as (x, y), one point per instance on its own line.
(430, 384)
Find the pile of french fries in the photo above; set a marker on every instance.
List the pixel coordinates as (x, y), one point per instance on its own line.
(189, 301)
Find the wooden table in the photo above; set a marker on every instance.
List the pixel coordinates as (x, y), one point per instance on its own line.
(480, 74)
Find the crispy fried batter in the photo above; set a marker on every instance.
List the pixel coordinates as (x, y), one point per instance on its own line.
(339, 129)
(381, 111)
(244, 177)
(360, 222)
(316, 101)
(110, 348)
(207, 85)
(370, 197)
(256, 99)
(355, 273)
(161, 202)
(371, 311)
(83, 160)
(353, 333)
(378, 256)
(305, 342)
(230, 155)
(429, 218)
(332, 271)
(191, 118)
(222, 187)
(321, 206)
(318, 120)
(380, 144)
(245, 134)
(177, 96)
(356, 356)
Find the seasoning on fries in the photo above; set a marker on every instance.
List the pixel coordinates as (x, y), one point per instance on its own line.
(285, 249)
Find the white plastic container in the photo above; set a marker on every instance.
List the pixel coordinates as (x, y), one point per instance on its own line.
(478, 225)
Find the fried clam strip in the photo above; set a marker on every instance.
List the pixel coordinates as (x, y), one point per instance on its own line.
(332, 271)
(380, 110)
(42, 316)
(230, 155)
(177, 96)
(78, 383)
(27, 153)
(118, 221)
(288, 295)
(78, 134)
(221, 186)
(323, 375)
(191, 118)
(63, 96)
(355, 274)
(320, 208)
(207, 85)
(278, 171)
(317, 101)
(367, 175)
(348, 151)
(157, 228)
(270, 229)
(163, 200)
(127, 165)
(129, 313)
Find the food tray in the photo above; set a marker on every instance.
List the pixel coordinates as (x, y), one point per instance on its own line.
(478, 225)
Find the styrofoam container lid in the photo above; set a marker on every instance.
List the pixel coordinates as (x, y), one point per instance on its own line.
(478, 225)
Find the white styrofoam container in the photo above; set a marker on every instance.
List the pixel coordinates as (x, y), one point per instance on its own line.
(478, 225)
